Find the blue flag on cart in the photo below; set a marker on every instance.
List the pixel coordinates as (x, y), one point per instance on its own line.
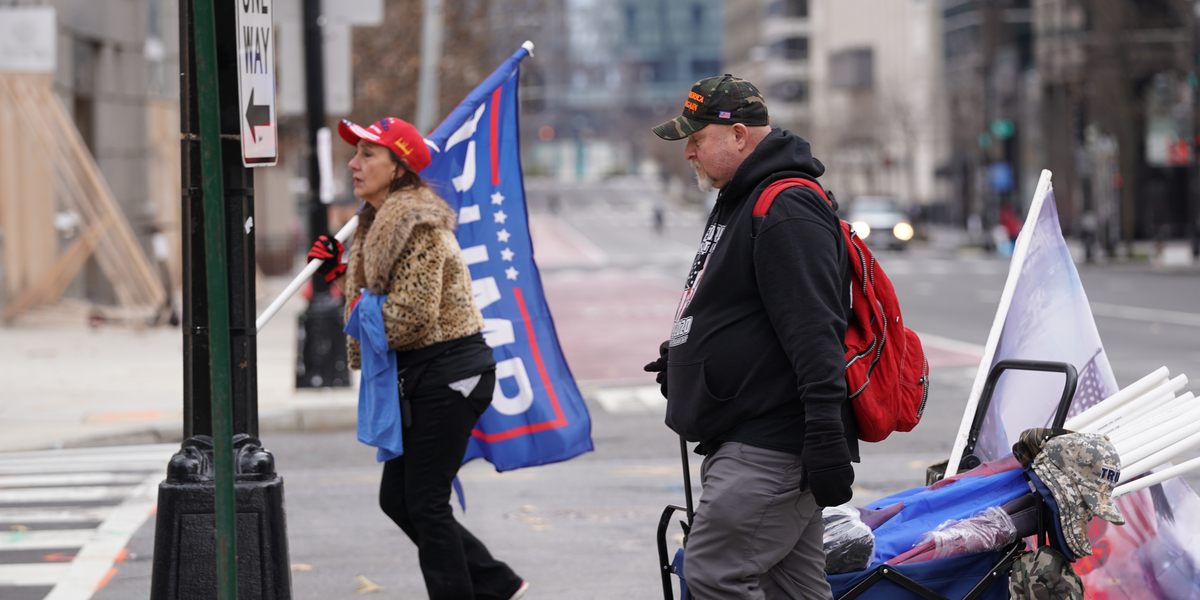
(537, 415)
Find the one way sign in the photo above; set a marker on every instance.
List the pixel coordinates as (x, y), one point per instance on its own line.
(256, 82)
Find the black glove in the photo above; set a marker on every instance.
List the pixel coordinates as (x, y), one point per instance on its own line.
(827, 462)
(660, 366)
(329, 251)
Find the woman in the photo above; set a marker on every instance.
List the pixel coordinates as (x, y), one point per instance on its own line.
(406, 255)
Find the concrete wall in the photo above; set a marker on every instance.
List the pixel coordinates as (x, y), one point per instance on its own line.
(885, 138)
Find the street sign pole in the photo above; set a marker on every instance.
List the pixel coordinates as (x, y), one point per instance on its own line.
(218, 298)
(322, 352)
(221, 486)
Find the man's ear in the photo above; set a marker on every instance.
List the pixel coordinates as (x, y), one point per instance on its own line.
(741, 136)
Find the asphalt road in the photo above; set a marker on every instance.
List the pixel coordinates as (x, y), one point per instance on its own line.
(585, 528)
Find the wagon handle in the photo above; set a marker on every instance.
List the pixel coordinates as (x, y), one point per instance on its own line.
(969, 460)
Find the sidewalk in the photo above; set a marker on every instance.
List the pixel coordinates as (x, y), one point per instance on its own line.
(72, 386)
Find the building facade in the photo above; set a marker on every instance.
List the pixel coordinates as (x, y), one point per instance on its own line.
(1117, 104)
(860, 79)
(1100, 92)
(623, 67)
(877, 93)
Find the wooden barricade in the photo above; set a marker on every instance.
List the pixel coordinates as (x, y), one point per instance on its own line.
(44, 166)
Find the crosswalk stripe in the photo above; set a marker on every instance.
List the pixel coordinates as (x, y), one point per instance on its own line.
(91, 459)
(155, 464)
(31, 575)
(94, 561)
(44, 497)
(54, 538)
(132, 450)
(69, 479)
(26, 516)
(81, 459)
(639, 399)
(64, 494)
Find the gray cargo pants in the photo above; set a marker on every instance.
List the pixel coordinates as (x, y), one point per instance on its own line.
(756, 535)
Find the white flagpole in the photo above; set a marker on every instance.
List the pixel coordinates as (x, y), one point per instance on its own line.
(1134, 390)
(1020, 251)
(305, 275)
(1159, 477)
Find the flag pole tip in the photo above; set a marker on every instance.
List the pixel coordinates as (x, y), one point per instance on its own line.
(528, 45)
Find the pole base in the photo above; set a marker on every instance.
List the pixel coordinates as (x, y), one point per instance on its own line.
(185, 557)
(321, 352)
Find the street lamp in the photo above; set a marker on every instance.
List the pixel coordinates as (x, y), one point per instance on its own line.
(221, 486)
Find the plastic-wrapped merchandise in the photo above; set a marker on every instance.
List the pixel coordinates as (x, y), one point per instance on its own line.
(989, 530)
(849, 543)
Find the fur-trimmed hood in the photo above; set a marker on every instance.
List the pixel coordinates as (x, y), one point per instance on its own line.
(394, 222)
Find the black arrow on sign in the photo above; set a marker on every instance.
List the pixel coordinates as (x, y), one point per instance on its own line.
(257, 114)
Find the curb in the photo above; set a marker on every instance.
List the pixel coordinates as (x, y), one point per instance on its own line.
(286, 420)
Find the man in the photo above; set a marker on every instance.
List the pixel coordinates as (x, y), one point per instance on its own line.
(754, 370)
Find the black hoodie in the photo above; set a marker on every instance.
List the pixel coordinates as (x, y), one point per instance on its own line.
(757, 351)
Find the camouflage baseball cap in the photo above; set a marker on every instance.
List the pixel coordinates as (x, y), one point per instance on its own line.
(725, 100)
(1044, 574)
(1080, 469)
(1029, 445)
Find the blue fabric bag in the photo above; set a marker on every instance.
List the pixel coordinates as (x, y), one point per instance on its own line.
(925, 509)
(379, 422)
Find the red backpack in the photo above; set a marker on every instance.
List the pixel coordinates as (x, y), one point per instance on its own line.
(887, 374)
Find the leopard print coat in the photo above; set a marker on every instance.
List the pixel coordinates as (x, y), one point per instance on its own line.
(410, 253)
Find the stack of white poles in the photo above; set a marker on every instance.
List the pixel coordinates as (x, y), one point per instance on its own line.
(1149, 426)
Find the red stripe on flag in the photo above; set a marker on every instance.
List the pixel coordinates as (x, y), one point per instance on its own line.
(560, 419)
(495, 137)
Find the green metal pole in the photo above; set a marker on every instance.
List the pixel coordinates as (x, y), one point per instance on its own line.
(218, 295)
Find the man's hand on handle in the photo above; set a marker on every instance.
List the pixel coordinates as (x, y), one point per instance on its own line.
(660, 366)
(827, 460)
(329, 251)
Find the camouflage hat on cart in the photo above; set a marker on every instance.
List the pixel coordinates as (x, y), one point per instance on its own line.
(1029, 445)
(1081, 470)
(723, 100)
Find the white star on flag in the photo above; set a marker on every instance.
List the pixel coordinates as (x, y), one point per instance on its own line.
(511, 272)
(503, 235)
(506, 254)
(500, 216)
(497, 198)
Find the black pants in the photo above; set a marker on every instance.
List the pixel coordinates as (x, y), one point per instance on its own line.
(415, 493)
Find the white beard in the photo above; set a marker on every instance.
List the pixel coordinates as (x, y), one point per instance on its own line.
(703, 181)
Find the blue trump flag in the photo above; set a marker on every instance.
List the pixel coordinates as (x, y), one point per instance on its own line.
(537, 414)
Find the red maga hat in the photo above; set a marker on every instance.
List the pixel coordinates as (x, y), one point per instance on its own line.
(396, 134)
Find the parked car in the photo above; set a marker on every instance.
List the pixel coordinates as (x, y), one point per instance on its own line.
(880, 222)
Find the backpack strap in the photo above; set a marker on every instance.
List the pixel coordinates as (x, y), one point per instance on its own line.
(763, 204)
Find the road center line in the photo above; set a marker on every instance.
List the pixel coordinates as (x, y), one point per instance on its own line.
(944, 343)
(1148, 315)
